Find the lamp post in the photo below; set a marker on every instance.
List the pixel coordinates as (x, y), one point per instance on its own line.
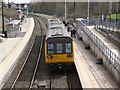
(88, 16)
(116, 13)
(65, 10)
(3, 30)
(110, 9)
(74, 11)
(8, 4)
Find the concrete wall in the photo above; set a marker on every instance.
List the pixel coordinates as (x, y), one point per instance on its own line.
(106, 62)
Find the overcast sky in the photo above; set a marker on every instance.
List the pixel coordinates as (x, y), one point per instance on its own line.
(27, 1)
(18, 1)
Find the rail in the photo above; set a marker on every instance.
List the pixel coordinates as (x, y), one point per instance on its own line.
(109, 27)
(39, 57)
(30, 53)
(110, 55)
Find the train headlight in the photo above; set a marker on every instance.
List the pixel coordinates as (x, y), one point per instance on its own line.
(50, 56)
(69, 55)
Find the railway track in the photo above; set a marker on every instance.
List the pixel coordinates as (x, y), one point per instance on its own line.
(108, 29)
(45, 78)
(112, 36)
(35, 73)
(29, 68)
(42, 18)
(67, 80)
(24, 70)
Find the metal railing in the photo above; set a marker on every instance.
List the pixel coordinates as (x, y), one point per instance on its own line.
(110, 55)
(107, 29)
(111, 26)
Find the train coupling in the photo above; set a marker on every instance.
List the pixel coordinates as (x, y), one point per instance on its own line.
(60, 66)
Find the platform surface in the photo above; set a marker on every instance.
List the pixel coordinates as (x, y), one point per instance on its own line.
(11, 49)
(91, 75)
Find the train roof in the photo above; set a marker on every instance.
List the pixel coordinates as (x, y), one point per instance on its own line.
(55, 25)
(53, 20)
(57, 32)
(15, 22)
(80, 19)
(52, 23)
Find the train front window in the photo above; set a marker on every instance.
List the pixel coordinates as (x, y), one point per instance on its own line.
(59, 48)
(68, 48)
(50, 48)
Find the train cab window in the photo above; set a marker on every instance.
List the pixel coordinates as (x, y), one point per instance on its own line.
(50, 48)
(59, 48)
(68, 47)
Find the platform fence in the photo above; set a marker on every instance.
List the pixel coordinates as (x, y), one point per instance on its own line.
(109, 54)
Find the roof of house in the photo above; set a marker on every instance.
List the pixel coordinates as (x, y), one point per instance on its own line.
(16, 22)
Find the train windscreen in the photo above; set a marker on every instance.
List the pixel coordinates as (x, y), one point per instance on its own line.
(59, 46)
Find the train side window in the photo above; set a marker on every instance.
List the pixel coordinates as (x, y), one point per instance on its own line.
(59, 48)
(50, 48)
(68, 47)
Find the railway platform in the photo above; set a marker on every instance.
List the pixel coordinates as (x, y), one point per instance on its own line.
(11, 48)
(91, 75)
(94, 75)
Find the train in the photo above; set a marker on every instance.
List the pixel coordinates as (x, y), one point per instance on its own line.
(53, 23)
(59, 48)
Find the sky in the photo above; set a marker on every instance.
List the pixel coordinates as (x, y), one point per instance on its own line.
(18, 1)
(27, 1)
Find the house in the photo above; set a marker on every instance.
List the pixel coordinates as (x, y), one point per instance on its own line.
(13, 28)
